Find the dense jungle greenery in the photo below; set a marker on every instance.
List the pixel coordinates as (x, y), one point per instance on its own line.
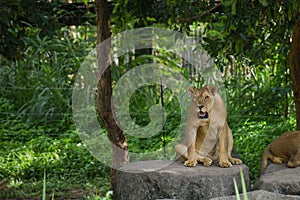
(39, 57)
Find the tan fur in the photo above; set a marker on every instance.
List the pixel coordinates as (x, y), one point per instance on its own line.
(207, 139)
(285, 148)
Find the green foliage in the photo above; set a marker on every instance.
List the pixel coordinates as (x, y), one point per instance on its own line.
(251, 137)
(133, 14)
(39, 61)
(141, 102)
(37, 132)
(108, 196)
(18, 18)
(250, 45)
(41, 84)
(28, 150)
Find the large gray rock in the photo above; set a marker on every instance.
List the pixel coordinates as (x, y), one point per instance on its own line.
(261, 195)
(280, 179)
(139, 181)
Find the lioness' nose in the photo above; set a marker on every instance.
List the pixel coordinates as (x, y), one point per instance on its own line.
(200, 107)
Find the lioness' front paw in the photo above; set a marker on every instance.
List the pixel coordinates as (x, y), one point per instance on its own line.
(225, 164)
(190, 163)
(235, 161)
(206, 161)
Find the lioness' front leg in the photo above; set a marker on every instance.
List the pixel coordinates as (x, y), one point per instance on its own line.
(223, 140)
(234, 161)
(201, 134)
(192, 159)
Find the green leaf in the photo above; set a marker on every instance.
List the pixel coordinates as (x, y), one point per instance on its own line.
(44, 185)
(227, 2)
(244, 188)
(231, 3)
(233, 7)
(264, 2)
(236, 189)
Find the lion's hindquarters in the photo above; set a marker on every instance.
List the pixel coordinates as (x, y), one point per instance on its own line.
(181, 151)
(286, 148)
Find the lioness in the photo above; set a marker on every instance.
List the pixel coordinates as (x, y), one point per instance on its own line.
(208, 136)
(285, 148)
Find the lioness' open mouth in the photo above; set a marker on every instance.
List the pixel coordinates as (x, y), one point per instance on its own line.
(202, 115)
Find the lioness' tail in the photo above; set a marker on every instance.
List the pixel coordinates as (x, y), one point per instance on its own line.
(264, 160)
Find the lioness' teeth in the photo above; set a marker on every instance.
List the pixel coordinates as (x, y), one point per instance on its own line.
(202, 115)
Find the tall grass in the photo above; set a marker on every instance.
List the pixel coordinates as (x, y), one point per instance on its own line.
(40, 84)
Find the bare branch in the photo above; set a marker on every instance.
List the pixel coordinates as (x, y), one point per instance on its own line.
(207, 12)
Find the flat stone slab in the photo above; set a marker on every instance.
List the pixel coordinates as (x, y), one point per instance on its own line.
(158, 179)
(280, 179)
(261, 195)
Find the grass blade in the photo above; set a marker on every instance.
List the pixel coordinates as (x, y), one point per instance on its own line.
(244, 188)
(52, 198)
(44, 186)
(236, 189)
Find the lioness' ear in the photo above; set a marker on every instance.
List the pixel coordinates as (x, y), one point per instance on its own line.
(191, 90)
(213, 89)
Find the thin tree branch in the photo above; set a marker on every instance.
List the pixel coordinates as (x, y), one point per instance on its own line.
(207, 12)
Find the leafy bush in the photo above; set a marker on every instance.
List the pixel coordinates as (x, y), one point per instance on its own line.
(28, 150)
(40, 86)
(251, 137)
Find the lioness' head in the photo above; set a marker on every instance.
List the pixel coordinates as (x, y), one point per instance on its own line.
(203, 99)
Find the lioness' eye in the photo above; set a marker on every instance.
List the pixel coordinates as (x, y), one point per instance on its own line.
(206, 97)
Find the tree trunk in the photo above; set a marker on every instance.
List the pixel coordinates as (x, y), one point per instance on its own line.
(115, 134)
(295, 69)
